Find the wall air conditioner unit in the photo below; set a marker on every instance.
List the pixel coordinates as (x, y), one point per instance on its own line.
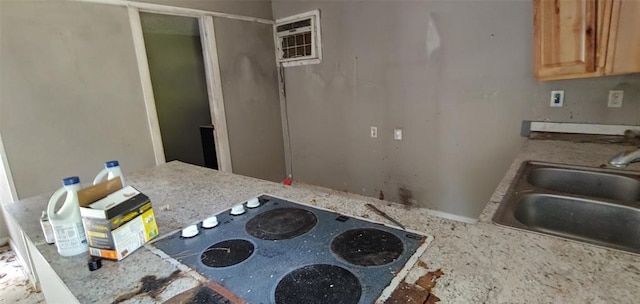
(297, 39)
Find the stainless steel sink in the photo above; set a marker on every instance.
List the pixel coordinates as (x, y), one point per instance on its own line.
(586, 183)
(591, 221)
(593, 205)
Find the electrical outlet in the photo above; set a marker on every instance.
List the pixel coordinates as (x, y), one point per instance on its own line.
(397, 134)
(374, 132)
(557, 99)
(615, 98)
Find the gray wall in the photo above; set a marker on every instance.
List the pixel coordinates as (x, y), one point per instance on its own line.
(252, 104)
(71, 95)
(456, 76)
(586, 101)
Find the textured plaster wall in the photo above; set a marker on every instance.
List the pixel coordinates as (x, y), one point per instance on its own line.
(456, 76)
(70, 94)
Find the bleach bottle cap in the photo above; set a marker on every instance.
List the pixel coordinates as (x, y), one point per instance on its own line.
(72, 180)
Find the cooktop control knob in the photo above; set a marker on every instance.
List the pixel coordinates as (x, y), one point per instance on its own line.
(253, 203)
(237, 210)
(210, 222)
(190, 231)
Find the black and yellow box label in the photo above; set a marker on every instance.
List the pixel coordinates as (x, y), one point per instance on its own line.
(119, 224)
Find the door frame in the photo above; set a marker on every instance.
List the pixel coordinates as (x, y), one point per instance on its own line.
(212, 75)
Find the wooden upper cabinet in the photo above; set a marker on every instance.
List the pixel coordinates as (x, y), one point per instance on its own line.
(623, 55)
(565, 37)
(586, 38)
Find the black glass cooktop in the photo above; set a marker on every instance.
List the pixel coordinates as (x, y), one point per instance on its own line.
(284, 252)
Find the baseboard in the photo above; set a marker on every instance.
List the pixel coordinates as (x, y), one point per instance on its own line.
(32, 278)
(450, 216)
(18, 256)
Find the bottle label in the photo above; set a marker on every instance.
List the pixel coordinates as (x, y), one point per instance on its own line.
(48, 231)
(69, 236)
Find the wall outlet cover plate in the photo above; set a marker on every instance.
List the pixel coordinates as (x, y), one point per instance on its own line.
(557, 98)
(615, 99)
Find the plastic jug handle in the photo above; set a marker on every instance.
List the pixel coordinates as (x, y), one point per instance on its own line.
(53, 201)
(101, 175)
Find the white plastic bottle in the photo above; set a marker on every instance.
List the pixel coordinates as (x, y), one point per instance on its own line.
(47, 230)
(111, 170)
(66, 221)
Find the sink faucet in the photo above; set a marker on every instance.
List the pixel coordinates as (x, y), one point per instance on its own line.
(623, 159)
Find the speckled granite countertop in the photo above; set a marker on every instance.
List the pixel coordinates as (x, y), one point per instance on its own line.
(482, 262)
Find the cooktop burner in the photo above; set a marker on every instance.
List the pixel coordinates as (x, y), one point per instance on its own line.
(367, 247)
(284, 252)
(281, 224)
(319, 284)
(227, 253)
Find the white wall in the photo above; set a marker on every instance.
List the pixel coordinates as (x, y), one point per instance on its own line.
(71, 96)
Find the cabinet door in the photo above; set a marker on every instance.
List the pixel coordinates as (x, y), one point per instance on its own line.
(623, 55)
(565, 39)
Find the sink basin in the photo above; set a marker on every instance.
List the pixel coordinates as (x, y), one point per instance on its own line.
(595, 222)
(593, 205)
(587, 183)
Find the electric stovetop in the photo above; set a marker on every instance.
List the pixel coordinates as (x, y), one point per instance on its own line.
(284, 252)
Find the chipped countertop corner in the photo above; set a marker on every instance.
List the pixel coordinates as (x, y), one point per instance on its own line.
(464, 263)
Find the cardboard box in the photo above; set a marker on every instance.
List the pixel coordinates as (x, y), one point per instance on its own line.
(118, 222)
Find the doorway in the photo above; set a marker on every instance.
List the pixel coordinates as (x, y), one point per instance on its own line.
(180, 75)
(176, 66)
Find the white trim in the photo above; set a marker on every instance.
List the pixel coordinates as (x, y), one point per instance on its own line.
(301, 62)
(404, 271)
(20, 258)
(214, 88)
(284, 111)
(7, 172)
(26, 262)
(284, 119)
(450, 216)
(561, 127)
(318, 36)
(166, 9)
(299, 16)
(147, 88)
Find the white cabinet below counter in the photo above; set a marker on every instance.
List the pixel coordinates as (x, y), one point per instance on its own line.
(54, 290)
